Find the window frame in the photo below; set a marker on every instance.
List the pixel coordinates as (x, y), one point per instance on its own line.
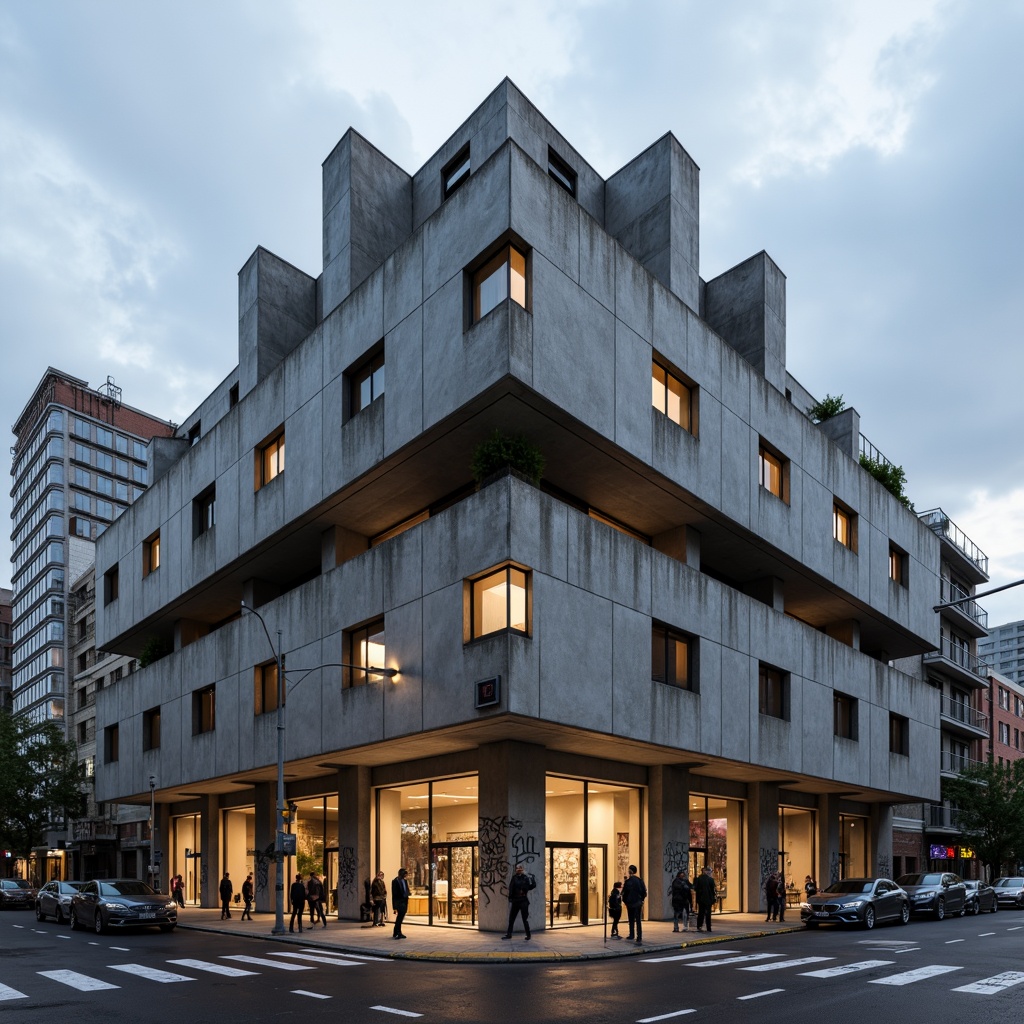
(899, 734)
(689, 389)
(844, 523)
(112, 743)
(151, 729)
(111, 584)
(204, 710)
(269, 458)
(665, 635)
(476, 585)
(204, 512)
(769, 457)
(151, 554)
(561, 173)
(367, 370)
(898, 566)
(486, 269)
(357, 640)
(456, 172)
(844, 715)
(266, 688)
(772, 692)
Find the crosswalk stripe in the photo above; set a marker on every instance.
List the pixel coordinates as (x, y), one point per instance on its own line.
(909, 977)
(80, 981)
(733, 960)
(205, 965)
(758, 995)
(781, 965)
(836, 972)
(349, 956)
(333, 960)
(150, 973)
(11, 993)
(312, 995)
(263, 962)
(997, 983)
(664, 1016)
(687, 956)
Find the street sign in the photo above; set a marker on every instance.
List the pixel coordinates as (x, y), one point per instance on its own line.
(288, 843)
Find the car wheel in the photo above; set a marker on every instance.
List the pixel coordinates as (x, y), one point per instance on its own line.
(995, 906)
(905, 913)
(869, 918)
(75, 925)
(40, 916)
(976, 907)
(940, 910)
(97, 923)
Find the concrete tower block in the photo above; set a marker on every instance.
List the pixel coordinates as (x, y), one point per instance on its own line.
(651, 208)
(367, 210)
(747, 307)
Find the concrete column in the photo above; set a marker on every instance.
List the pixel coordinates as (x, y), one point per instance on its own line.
(210, 867)
(668, 817)
(512, 829)
(828, 840)
(264, 865)
(354, 814)
(881, 839)
(762, 842)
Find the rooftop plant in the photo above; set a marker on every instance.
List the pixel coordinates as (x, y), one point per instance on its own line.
(829, 406)
(515, 451)
(892, 478)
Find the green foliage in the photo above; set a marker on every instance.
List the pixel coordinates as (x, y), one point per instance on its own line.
(892, 478)
(40, 782)
(829, 406)
(989, 799)
(153, 649)
(502, 450)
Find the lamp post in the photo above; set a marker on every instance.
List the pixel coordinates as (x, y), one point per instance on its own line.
(282, 807)
(154, 845)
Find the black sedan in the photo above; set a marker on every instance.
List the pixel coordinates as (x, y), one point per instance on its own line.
(121, 903)
(940, 893)
(980, 896)
(54, 900)
(1010, 891)
(863, 901)
(16, 894)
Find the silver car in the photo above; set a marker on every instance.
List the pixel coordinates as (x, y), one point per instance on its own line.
(54, 900)
(1010, 891)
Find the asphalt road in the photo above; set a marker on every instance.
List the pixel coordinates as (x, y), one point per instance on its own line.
(958, 970)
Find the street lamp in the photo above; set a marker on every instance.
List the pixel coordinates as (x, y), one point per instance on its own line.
(154, 846)
(974, 597)
(282, 808)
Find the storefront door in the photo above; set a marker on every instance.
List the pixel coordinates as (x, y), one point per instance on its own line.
(456, 869)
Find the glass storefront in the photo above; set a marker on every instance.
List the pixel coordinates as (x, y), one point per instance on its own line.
(716, 839)
(796, 850)
(853, 846)
(187, 857)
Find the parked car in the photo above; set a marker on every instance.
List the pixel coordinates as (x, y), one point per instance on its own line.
(935, 892)
(54, 900)
(121, 903)
(981, 896)
(1010, 891)
(16, 894)
(863, 901)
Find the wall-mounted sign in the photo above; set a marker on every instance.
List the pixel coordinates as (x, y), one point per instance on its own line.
(967, 853)
(942, 852)
(287, 843)
(488, 692)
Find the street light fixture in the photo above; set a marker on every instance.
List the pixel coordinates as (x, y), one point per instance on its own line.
(974, 597)
(282, 807)
(154, 845)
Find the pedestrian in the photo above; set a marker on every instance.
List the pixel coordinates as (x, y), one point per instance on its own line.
(681, 894)
(226, 890)
(176, 887)
(810, 886)
(315, 900)
(519, 887)
(247, 893)
(704, 890)
(634, 892)
(298, 901)
(399, 901)
(780, 896)
(615, 908)
(379, 900)
(771, 895)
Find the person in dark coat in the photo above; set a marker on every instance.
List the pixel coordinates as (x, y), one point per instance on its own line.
(247, 894)
(681, 894)
(704, 890)
(519, 900)
(298, 901)
(615, 908)
(771, 896)
(315, 899)
(634, 892)
(379, 899)
(226, 891)
(399, 901)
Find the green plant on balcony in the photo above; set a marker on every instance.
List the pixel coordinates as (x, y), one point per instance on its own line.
(504, 451)
(829, 406)
(153, 649)
(892, 478)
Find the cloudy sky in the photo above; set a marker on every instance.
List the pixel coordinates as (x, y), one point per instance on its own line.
(873, 148)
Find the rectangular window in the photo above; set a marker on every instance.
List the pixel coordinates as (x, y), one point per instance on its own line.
(151, 729)
(105, 461)
(673, 397)
(501, 277)
(111, 744)
(500, 601)
(195, 432)
(204, 512)
(265, 688)
(672, 657)
(1004, 733)
(204, 710)
(455, 172)
(897, 565)
(368, 381)
(232, 396)
(561, 172)
(270, 459)
(771, 472)
(105, 437)
(365, 649)
(844, 526)
(844, 716)
(899, 735)
(151, 554)
(80, 428)
(772, 692)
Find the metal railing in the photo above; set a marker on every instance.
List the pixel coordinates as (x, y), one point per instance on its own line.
(938, 522)
(961, 712)
(959, 656)
(956, 763)
(869, 451)
(949, 591)
(941, 816)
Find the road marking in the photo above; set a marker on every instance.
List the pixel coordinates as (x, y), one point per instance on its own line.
(205, 965)
(11, 993)
(80, 981)
(836, 972)
(780, 965)
(997, 983)
(885, 942)
(121, 949)
(953, 942)
(687, 956)
(985, 935)
(1016, 928)
(733, 960)
(312, 995)
(64, 937)
(262, 962)
(349, 956)
(757, 995)
(318, 959)
(909, 949)
(391, 1009)
(150, 973)
(664, 1016)
(909, 977)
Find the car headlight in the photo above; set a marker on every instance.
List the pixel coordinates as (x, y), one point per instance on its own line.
(852, 904)
(170, 905)
(923, 895)
(115, 906)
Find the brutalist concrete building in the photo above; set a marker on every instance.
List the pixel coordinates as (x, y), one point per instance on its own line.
(672, 648)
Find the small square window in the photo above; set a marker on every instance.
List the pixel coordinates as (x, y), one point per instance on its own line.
(500, 601)
(672, 657)
(204, 512)
(899, 734)
(673, 397)
(270, 459)
(367, 380)
(204, 710)
(844, 526)
(265, 688)
(561, 172)
(151, 554)
(151, 729)
(773, 472)
(501, 277)
(111, 744)
(365, 648)
(772, 692)
(844, 716)
(455, 172)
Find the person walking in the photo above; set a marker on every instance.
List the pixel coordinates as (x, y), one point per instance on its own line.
(177, 890)
(247, 894)
(519, 887)
(771, 896)
(315, 900)
(810, 886)
(399, 901)
(681, 894)
(379, 899)
(704, 890)
(634, 892)
(615, 908)
(226, 891)
(297, 895)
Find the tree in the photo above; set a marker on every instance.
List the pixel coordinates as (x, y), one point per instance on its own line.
(40, 782)
(989, 799)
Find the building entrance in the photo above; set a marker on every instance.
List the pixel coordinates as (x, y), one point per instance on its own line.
(577, 882)
(455, 868)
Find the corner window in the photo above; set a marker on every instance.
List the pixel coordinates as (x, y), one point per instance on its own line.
(561, 172)
(844, 526)
(455, 172)
(204, 710)
(151, 729)
(270, 459)
(367, 381)
(772, 692)
(265, 688)
(364, 649)
(204, 512)
(899, 735)
(897, 565)
(673, 397)
(773, 472)
(672, 657)
(502, 277)
(500, 601)
(151, 554)
(844, 716)
(111, 585)
(111, 744)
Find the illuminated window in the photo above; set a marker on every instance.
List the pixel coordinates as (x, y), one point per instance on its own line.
(265, 688)
(844, 526)
(365, 649)
(672, 397)
(500, 601)
(204, 710)
(897, 565)
(455, 172)
(672, 657)
(270, 459)
(500, 278)
(151, 554)
(204, 512)
(899, 734)
(772, 692)
(561, 172)
(771, 472)
(367, 382)
(844, 716)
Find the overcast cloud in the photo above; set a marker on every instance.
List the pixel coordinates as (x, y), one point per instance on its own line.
(873, 149)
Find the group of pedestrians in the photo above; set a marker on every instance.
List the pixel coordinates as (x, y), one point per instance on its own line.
(310, 895)
(683, 894)
(227, 892)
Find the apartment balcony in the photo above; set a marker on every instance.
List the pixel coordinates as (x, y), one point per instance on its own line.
(968, 615)
(962, 719)
(958, 548)
(958, 663)
(94, 828)
(940, 818)
(952, 764)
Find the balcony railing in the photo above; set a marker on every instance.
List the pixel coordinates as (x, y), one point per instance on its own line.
(961, 712)
(941, 816)
(959, 656)
(94, 828)
(869, 451)
(938, 522)
(956, 763)
(949, 591)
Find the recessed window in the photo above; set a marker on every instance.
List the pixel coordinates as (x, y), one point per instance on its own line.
(204, 710)
(195, 432)
(151, 729)
(111, 584)
(500, 601)
(672, 396)
(368, 381)
(561, 172)
(151, 554)
(204, 512)
(772, 472)
(111, 744)
(897, 565)
(844, 526)
(672, 657)
(844, 716)
(270, 459)
(265, 688)
(365, 649)
(772, 692)
(455, 172)
(232, 396)
(899, 734)
(500, 278)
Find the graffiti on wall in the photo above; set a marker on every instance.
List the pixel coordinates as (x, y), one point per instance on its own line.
(768, 857)
(346, 872)
(677, 857)
(262, 861)
(884, 867)
(503, 845)
(833, 868)
(622, 853)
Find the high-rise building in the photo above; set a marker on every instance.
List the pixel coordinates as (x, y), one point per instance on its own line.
(1003, 649)
(5, 649)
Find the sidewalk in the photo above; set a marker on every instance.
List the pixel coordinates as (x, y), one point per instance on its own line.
(467, 945)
